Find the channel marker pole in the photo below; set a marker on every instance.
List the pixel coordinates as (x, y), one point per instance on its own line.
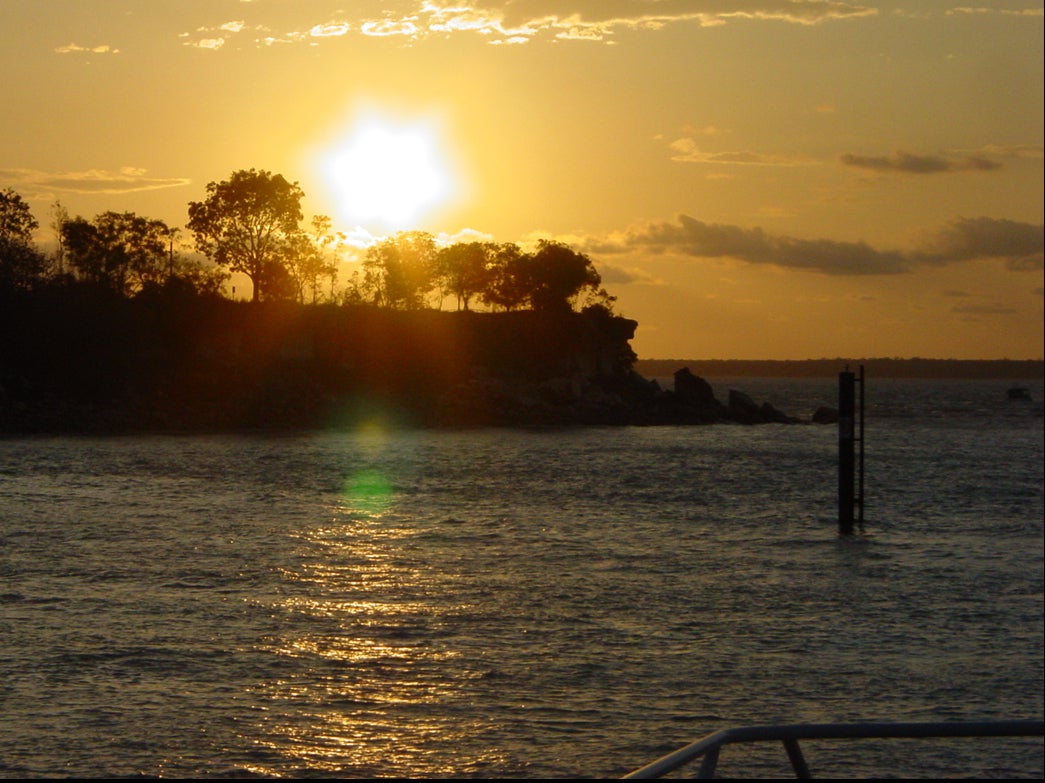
(848, 498)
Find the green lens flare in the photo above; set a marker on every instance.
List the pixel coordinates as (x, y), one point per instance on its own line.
(369, 491)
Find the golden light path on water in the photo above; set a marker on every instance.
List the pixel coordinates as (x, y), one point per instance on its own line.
(359, 611)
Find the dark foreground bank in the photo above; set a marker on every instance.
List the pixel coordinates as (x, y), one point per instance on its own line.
(85, 364)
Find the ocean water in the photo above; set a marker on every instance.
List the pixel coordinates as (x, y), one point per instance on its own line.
(523, 603)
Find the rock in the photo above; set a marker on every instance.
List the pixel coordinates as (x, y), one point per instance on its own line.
(772, 415)
(691, 389)
(825, 415)
(744, 409)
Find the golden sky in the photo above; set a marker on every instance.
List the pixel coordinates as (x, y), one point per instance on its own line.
(777, 179)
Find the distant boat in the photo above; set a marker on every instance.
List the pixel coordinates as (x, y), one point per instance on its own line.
(1019, 393)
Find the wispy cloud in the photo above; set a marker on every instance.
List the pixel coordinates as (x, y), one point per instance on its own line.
(215, 37)
(329, 30)
(522, 21)
(612, 274)
(686, 150)
(1019, 245)
(599, 19)
(92, 181)
(383, 28)
(1033, 151)
(208, 43)
(73, 48)
(982, 11)
(908, 163)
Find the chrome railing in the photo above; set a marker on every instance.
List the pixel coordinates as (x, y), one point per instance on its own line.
(709, 747)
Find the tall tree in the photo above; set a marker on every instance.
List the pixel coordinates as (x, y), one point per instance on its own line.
(557, 274)
(464, 269)
(59, 217)
(399, 271)
(307, 260)
(123, 251)
(246, 223)
(21, 264)
(17, 223)
(507, 285)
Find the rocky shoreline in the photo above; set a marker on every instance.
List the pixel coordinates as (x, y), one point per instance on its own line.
(297, 404)
(222, 366)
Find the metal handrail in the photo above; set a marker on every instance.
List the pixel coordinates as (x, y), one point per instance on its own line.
(789, 734)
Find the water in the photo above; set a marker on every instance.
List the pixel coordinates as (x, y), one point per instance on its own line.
(543, 603)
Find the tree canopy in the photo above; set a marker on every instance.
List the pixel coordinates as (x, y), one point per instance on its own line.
(250, 224)
(20, 262)
(557, 274)
(247, 223)
(399, 272)
(17, 223)
(120, 250)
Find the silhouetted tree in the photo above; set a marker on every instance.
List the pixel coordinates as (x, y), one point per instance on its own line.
(59, 216)
(277, 281)
(398, 272)
(464, 269)
(556, 274)
(121, 251)
(507, 284)
(186, 275)
(21, 264)
(17, 223)
(246, 223)
(307, 259)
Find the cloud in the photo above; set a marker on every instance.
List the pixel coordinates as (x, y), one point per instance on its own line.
(685, 150)
(214, 38)
(1032, 151)
(208, 43)
(92, 181)
(1019, 245)
(617, 275)
(979, 10)
(384, 28)
(463, 235)
(692, 237)
(330, 30)
(72, 48)
(906, 163)
(522, 21)
(600, 20)
(608, 16)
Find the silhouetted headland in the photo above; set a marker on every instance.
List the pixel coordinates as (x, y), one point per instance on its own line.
(87, 362)
(828, 368)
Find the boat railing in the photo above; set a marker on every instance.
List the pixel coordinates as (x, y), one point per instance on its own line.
(708, 748)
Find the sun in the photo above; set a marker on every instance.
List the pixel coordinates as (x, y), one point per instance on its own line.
(387, 174)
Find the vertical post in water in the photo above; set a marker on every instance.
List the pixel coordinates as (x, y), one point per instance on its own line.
(860, 437)
(846, 452)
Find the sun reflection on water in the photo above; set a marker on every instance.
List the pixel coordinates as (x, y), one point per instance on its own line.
(365, 625)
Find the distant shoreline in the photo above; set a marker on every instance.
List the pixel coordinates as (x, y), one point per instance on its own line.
(1012, 369)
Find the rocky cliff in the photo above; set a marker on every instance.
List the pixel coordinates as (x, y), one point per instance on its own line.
(87, 363)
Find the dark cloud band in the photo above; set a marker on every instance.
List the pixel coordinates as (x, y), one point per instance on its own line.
(1020, 245)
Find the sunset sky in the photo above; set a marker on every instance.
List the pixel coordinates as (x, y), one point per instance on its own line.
(779, 179)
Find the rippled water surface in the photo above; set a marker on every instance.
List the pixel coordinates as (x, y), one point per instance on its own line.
(481, 603)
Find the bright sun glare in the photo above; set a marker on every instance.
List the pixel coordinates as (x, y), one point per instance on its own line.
(386, 174)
